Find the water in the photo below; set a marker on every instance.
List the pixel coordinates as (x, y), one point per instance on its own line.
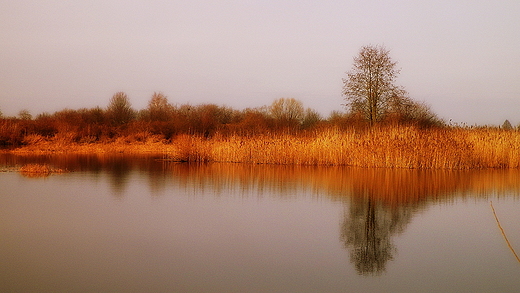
(135, 224)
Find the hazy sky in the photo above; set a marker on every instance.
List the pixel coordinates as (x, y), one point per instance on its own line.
(460, 57)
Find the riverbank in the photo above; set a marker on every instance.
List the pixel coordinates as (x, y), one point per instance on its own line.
(380, 147)
(51, 146)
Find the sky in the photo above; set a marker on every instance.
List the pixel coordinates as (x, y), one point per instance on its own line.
(461, 57)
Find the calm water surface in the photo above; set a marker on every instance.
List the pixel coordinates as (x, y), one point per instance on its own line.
(135, 224)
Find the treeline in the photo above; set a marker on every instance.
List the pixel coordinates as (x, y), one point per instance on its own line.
(161, 120)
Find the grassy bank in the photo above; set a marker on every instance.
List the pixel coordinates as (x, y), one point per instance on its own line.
(390, 147)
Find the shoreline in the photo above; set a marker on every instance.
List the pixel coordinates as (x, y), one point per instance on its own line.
(400, 147)
(91, 148)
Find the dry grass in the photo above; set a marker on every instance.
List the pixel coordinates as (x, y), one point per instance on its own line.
(388, 147)
(126, 144)
(379, 147)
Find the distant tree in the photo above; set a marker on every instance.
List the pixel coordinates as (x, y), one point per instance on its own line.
(404, 109)
(310, 118)
(370, 84)
(68, 120)
(335, 115)
(422, 113)
(507, 125)
(253, 121)
(92, 116)
(287, 111)
(339, 119)
(43, 115)
(45, 125)
(158, 108)
(119, 110)
(25, 115)
(210, 118)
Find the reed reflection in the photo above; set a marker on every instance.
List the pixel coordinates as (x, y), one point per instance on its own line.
(120, 170)
(378, 203)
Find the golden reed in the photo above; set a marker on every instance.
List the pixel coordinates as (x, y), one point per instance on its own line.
(377, 147)
(380, 147)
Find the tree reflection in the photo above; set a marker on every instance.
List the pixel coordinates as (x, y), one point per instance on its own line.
(367, 230)
(119, 170)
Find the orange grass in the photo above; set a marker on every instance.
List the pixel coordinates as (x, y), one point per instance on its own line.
(384, 147)
(127, 145)
(379, 147)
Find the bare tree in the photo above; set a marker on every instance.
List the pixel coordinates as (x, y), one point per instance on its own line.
(119, 110)
(287, 110)
(370, 84)
(287, 113)
(405, 109)
(158, 108)
(25, 114)
(310, 118)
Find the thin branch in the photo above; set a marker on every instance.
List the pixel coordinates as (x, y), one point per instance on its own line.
(504, 233)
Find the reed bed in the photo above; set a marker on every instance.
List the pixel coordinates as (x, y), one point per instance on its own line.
(375, 147)
(379, 147)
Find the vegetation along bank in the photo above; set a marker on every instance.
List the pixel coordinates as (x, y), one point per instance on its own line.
(381, 127)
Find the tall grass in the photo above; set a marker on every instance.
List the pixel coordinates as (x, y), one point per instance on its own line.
(379, 147)
(386, 147)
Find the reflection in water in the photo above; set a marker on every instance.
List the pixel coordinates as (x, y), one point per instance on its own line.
(379, 203)
(393, 187)
(367, 231)
(120, 170)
